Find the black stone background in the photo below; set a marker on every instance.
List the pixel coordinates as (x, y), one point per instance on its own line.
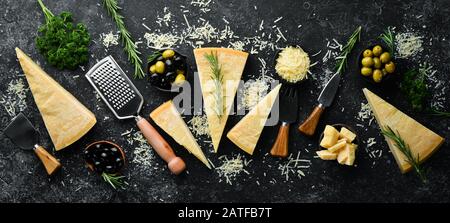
(23, 178)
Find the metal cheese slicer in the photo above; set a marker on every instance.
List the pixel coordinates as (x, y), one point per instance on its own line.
(125, 101)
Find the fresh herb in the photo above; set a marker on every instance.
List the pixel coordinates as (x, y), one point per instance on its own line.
(415, 88)
(129, 45)
(389, 39)
(217, 77)
(346, 50)
(153, 57)
(62, 43)
(440, 113)
(114, 180)
(406, 150)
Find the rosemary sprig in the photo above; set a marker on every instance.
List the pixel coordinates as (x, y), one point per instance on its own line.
(346, 50)
(440, 113)
(153, 56)
(389, 39)
(114, 180)
(129, 45)
(406, 150)
(217, 77)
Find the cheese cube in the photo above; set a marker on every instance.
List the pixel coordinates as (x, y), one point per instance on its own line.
(351, 154)
(326, 155)
(339, 145)
(330, 137)
(347, 134)
(342, 157)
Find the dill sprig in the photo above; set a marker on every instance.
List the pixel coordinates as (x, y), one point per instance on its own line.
(406, 150)
(346, 50)
(440, 113)
(129, 45)
(389, 39)
(217, 77)
(114, 180)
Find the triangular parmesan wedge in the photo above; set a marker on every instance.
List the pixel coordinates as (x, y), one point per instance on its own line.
(421, 140)
(65, 118)
(246, 132)
(169, 119)
(232, 63)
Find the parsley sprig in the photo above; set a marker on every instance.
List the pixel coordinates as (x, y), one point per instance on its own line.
(62, 43)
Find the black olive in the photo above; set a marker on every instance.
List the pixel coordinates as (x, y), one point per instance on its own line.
(114, 149)
(169, 65)
(170, 76)
(155, 78)
(98, 146)
(104, 155)
(160, 58)
(178, 60)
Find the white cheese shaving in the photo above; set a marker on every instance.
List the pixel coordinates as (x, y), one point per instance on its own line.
(14, 101)
(254, 91)
(199, 125)
(365, 114)
(408, 44)
(294, 166)
(109, 39)
(143, 152)
(231, 168)
(161, 41)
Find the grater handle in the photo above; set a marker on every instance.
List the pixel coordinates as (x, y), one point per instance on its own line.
(175, 164)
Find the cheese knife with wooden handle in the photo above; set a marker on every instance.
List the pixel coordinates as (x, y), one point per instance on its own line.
(326, 97)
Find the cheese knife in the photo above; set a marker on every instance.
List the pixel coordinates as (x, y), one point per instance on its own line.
(326, 97)
(24, 135)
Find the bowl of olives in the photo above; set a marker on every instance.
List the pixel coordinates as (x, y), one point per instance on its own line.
(167, 69)
(376, 64)
(107, 159)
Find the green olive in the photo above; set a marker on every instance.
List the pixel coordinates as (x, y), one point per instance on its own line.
(367, 62)
(159, 67)
(377, 62)
(377, 75)
(385, 57)
(366, 71)
(179, 79)
(180, 71)
(152, 69)
(377, 50)
(168, 54)
(367, 53)
(390, 67)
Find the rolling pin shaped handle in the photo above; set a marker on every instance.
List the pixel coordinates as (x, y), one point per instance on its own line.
(51, 164)
(280, 147)
(176, 164)
(309, 125)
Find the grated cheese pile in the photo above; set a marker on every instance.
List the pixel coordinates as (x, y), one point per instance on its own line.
(165, 40)
(408, 44)
(14, 101)
(294, 166)
(199, 125)
(254, 91)
(143, 153)
(231, 168)
(365, 113)
(292, 64)
(109, 39)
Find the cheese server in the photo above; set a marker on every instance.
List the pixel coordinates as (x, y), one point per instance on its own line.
(326, 97)
(125, 101)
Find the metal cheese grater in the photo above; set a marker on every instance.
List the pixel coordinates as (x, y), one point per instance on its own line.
(115, 88)
(125, 101)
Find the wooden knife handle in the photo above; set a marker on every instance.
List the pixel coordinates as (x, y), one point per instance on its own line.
(176, 164)
(51, 164)
(280, 147)
(309, 125)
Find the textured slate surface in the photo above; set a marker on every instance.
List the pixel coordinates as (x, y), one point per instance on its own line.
(23, 179)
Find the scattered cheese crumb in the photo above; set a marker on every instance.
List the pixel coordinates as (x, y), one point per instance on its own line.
(109, 39)
(199, 125)
(231, 167)
(143, 153)
(408, 44)
(365, 113)
(15, 99)
(294, 166)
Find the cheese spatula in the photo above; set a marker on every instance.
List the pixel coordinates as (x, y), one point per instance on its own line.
(125, 101)
(24, 135)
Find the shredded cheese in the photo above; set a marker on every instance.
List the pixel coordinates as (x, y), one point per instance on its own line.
(292, 64)
(294, 166)
(14, 101)
(109, 39)
(254, 91)
(231, 168)
(408, 44)
(199, 125)
(143, 153)
(365, 113)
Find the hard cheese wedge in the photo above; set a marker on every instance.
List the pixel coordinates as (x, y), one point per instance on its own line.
(169, 119)
(246, 132)
(232, 63)
(65, 118)
(422, 141)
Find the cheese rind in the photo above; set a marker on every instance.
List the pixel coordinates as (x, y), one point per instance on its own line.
(167, 117)
(232, 63)
(65, 118)
(422, 141)
(330, 137)
(246, 132)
